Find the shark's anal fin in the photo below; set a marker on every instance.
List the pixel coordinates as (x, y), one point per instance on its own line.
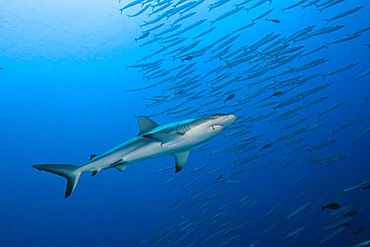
(146, 125)
(94, 173)
(181, 158)
(70, 172)
(163, 138)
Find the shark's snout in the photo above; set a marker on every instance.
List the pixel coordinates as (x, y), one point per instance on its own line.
(229, 120)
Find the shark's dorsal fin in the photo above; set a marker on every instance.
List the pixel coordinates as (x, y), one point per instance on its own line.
(146, 125)
(181, 158)
(164, 138)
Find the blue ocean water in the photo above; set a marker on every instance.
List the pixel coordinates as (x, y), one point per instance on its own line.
(67, 93)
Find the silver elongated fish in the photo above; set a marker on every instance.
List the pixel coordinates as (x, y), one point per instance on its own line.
(366, 243)
(348, 12)
(296, 231)
(152, 141)
(332, 234)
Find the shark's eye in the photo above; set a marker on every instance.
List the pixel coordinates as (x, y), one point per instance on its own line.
(213, 127)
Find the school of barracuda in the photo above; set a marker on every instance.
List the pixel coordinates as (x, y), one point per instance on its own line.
(201, 68)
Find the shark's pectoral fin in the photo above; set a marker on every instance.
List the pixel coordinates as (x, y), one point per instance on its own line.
(181, 158)
(164, 138)
(146, 125)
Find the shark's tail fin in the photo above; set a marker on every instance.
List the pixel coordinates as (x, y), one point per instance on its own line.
(70, 172)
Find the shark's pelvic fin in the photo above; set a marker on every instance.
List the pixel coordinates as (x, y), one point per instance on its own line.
(181, 158)
(164, 138)
(121, 167)
(146, 125)
(116, 164)
(70, 172)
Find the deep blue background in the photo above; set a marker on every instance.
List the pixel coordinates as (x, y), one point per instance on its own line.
(63, 98)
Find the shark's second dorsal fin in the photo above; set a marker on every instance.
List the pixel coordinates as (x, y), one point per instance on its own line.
(146, 125)
(181, 158)
(93, 156)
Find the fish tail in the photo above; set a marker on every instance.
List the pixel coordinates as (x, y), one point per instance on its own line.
(322, 207)
(354, 80)
(345, 216)
(70, 172)
(327, 21)
(363, 188)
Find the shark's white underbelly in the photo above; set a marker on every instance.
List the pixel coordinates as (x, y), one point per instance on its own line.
(151, 149)
(138, 150)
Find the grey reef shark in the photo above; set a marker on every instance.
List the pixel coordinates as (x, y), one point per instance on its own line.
(153, 141)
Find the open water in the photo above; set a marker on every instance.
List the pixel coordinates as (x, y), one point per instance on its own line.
(76, 74)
